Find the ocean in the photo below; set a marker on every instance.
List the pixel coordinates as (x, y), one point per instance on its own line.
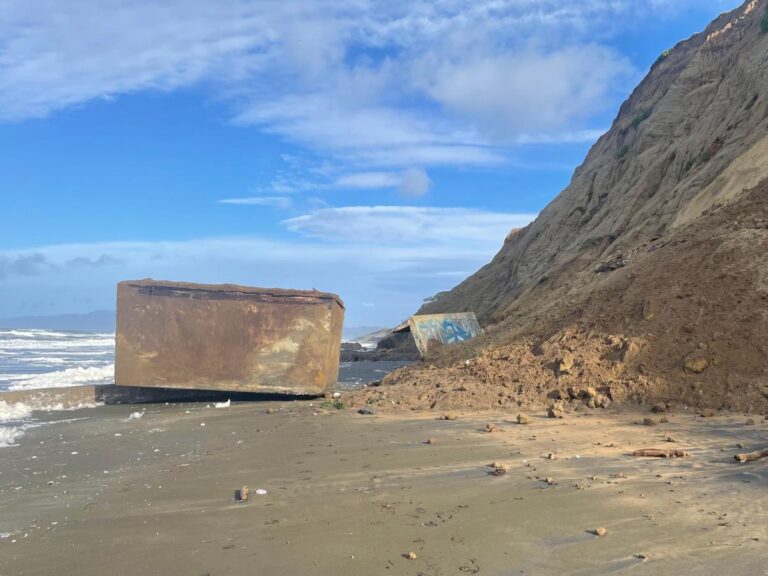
(47, 359)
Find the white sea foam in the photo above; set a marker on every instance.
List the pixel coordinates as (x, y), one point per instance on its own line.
(64, 378)
(14, 411)
(9, 435)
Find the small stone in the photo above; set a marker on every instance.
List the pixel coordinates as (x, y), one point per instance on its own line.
(708, 413)
(664, 420)
(411, 556)
(600, 531)
(500, 471)
(523, 419)
(449, 417)
(367, 411)
(565, 364)
(498, 465)
(649, 422)
(695, 364)
(749, 422)
(431, 441)
(590, 392)
(549, 480)
(490, 427)
(551, 456)
(572, 393)
(660, 408)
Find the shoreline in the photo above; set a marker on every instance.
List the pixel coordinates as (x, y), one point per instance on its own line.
(352, 494)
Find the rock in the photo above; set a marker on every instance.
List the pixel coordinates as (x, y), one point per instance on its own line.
(550, 481)
(649, 422)
(367, 411)
(695, 364)
(749, 422)
(411, 556)
(523, 419)
(600, 531)
(660, 408)
(664, 420)
(431, 441)
(490, 427)
(557, 395)
(499, 471)
(708, 413)
(601, 401)
(450, 417)
(565, 364)
(573, 393)
(242, 494)
(590, 392)
(555, 412)
(498, 465)
(649, 310)
(551, 456)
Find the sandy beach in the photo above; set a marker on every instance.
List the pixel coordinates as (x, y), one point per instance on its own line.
(95, 492)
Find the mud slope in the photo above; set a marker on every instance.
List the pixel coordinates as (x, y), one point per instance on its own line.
(659, 241)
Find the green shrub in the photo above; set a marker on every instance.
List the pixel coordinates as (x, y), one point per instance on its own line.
(623, 151)
(640, 118)
(765, 20)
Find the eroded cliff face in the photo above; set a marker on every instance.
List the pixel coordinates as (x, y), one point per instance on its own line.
(692, 136)
(659, 246)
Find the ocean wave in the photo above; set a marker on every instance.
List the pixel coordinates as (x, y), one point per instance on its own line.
(65, 378)
(21, 344)
(13, 412)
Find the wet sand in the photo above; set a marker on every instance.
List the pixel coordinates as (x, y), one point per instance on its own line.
(353, 494)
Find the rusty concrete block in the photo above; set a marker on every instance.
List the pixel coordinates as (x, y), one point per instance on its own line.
(227, 337)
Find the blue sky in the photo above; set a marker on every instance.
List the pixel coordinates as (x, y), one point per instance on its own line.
(380, 150)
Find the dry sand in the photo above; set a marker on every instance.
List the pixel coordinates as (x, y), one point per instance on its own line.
(353, 494)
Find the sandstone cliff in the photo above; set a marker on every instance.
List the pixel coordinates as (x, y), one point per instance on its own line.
(651, 269)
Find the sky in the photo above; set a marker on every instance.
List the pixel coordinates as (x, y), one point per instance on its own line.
(381, 150)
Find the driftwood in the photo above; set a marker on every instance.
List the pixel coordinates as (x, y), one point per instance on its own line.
(752, 456)
(656, 453)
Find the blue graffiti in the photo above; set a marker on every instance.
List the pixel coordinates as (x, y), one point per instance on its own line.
(446, 331)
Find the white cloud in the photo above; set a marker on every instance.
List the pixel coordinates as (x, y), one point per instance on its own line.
(408, 224)
(276, 201)
(369, 84)
(413, 182)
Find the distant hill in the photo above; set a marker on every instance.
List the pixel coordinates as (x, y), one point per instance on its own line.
(353, 333)
(99, 321)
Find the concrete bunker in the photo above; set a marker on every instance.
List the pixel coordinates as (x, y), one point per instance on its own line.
(228, 338)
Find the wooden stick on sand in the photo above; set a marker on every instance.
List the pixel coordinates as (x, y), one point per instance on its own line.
(752, 456)
(656, 453)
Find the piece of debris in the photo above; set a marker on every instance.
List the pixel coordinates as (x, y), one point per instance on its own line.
(523, 419)
(261, 492)
(492, 427)
(226, 404)
(657, 453)
(555, 410)
(600, 531)
(752, 456)
(431, 441)
(367, 411)
(649, 422)
(695, 364)
(411, 556)
(242, 494)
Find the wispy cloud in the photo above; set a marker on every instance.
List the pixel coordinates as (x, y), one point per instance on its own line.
(395, 84)
(276, 201)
